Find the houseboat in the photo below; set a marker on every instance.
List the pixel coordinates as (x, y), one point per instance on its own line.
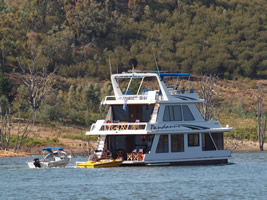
(153, 119)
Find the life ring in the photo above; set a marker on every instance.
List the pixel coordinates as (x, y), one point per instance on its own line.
(107, 126)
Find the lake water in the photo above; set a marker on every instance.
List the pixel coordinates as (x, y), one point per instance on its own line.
(245, 177)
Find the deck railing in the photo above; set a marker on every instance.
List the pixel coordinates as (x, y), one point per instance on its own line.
(131, 97)
(119, 126)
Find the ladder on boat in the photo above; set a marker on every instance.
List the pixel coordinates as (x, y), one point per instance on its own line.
(100, 146)
(154, 114)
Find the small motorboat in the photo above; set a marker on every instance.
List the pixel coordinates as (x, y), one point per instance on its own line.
(100, 163)
(56, 157)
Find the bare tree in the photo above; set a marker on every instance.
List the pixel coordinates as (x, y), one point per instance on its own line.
(18, 133)
(5, 123)
(1, 128)
(8, 116)
(261, 118)
(37, 80)
(207, 92)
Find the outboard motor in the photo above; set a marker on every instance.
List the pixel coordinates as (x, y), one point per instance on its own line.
(36, 162)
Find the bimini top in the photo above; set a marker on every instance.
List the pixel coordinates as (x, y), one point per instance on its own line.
(162, 75)
(49, 149)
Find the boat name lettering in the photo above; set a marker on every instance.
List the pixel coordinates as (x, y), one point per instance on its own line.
(164, 127)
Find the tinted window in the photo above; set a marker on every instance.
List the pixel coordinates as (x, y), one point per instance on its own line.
(166, 116)
(207, 143)
(177, 142)
(187, 114)
(163, 145)
(177, 113)
(172, 113)
(193, 140)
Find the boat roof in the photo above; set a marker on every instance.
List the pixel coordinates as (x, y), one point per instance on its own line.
(49, 149)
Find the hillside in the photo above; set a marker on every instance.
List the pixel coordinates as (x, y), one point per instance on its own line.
(82, 38)
(236, 107)
(77, 44)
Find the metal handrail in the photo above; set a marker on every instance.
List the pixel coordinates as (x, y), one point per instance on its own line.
(121, 126)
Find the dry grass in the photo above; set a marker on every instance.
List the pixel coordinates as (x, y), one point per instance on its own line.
(241, 145)
(58, 132)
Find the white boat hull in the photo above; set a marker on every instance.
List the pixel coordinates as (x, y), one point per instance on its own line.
(52, 164)
(204, 161)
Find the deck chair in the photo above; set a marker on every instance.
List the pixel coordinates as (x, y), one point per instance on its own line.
(129, 156)
(140, 154)
(135, 127)
(135, 154)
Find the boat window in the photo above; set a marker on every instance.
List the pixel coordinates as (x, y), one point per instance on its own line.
(177, 143)
(174, 113)
(132, 113)
(218, 139)
(120, 114)
(116, 142)
(166, 116)
(207, 143)
(177, 113)
(187, 114)
(193, 140)
(146, 112)
(163, 145)
(150, 139)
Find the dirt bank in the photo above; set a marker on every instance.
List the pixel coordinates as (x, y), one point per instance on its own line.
(4, 153)
(241, 145)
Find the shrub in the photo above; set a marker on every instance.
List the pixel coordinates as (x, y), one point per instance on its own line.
(80, 137)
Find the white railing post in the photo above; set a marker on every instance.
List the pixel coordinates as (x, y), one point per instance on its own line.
(118, 126)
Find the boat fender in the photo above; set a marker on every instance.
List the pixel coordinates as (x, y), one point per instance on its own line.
(107, 126)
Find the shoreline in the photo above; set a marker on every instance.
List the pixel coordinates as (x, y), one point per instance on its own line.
(229, 144)
(233, 147)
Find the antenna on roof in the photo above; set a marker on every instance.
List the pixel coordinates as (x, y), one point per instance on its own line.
(110, 66)
(155, 61)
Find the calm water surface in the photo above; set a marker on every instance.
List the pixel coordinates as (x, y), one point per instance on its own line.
(245, 177)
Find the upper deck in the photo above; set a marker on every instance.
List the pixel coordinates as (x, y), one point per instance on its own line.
(150, 88)
(143, 103)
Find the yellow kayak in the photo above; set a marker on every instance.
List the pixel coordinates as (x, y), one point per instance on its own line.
(100, 163)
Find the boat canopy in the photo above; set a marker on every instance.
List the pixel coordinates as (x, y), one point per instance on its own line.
(49, 149)
(162, 75)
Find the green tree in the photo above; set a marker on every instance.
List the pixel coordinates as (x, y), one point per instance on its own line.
(71, 97)
(5, 86)
(91, 97)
